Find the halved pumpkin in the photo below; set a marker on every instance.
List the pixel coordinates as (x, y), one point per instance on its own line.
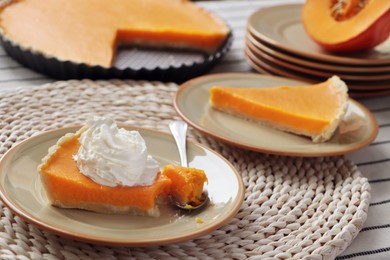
(347, 25)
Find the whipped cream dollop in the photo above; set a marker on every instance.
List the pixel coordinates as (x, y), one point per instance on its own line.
(111, 156)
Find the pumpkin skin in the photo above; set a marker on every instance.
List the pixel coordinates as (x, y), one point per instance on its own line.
(358, 31)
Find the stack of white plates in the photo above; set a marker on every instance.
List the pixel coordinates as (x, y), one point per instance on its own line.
(276, 43)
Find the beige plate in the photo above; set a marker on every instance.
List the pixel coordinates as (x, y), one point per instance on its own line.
(291, 58)
(281, 27)
(261, 66)
(355, 92)
(22, 191)
(358, 129)
(266, 67)
(315, 71)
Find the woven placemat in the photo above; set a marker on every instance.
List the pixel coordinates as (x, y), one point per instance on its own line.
(294, 208)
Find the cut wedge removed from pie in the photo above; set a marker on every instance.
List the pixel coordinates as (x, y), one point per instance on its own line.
(90, 31)
(312, 110)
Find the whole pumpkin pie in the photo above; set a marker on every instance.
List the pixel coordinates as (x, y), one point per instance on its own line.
(105, 169)
(90, 31)
(313, 110)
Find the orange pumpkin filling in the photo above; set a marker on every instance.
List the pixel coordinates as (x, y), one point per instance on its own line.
(187, 183)
(89, 31)
(313, 110)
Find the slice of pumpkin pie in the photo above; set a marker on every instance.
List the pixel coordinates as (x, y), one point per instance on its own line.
(90, 31)
(313, 110)
(106, 169)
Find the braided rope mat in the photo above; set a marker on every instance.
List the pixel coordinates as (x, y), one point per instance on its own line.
(294, 208)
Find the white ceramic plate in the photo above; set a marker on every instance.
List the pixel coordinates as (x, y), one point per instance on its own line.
(281, 27)
(22, 191)
(358, 129)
